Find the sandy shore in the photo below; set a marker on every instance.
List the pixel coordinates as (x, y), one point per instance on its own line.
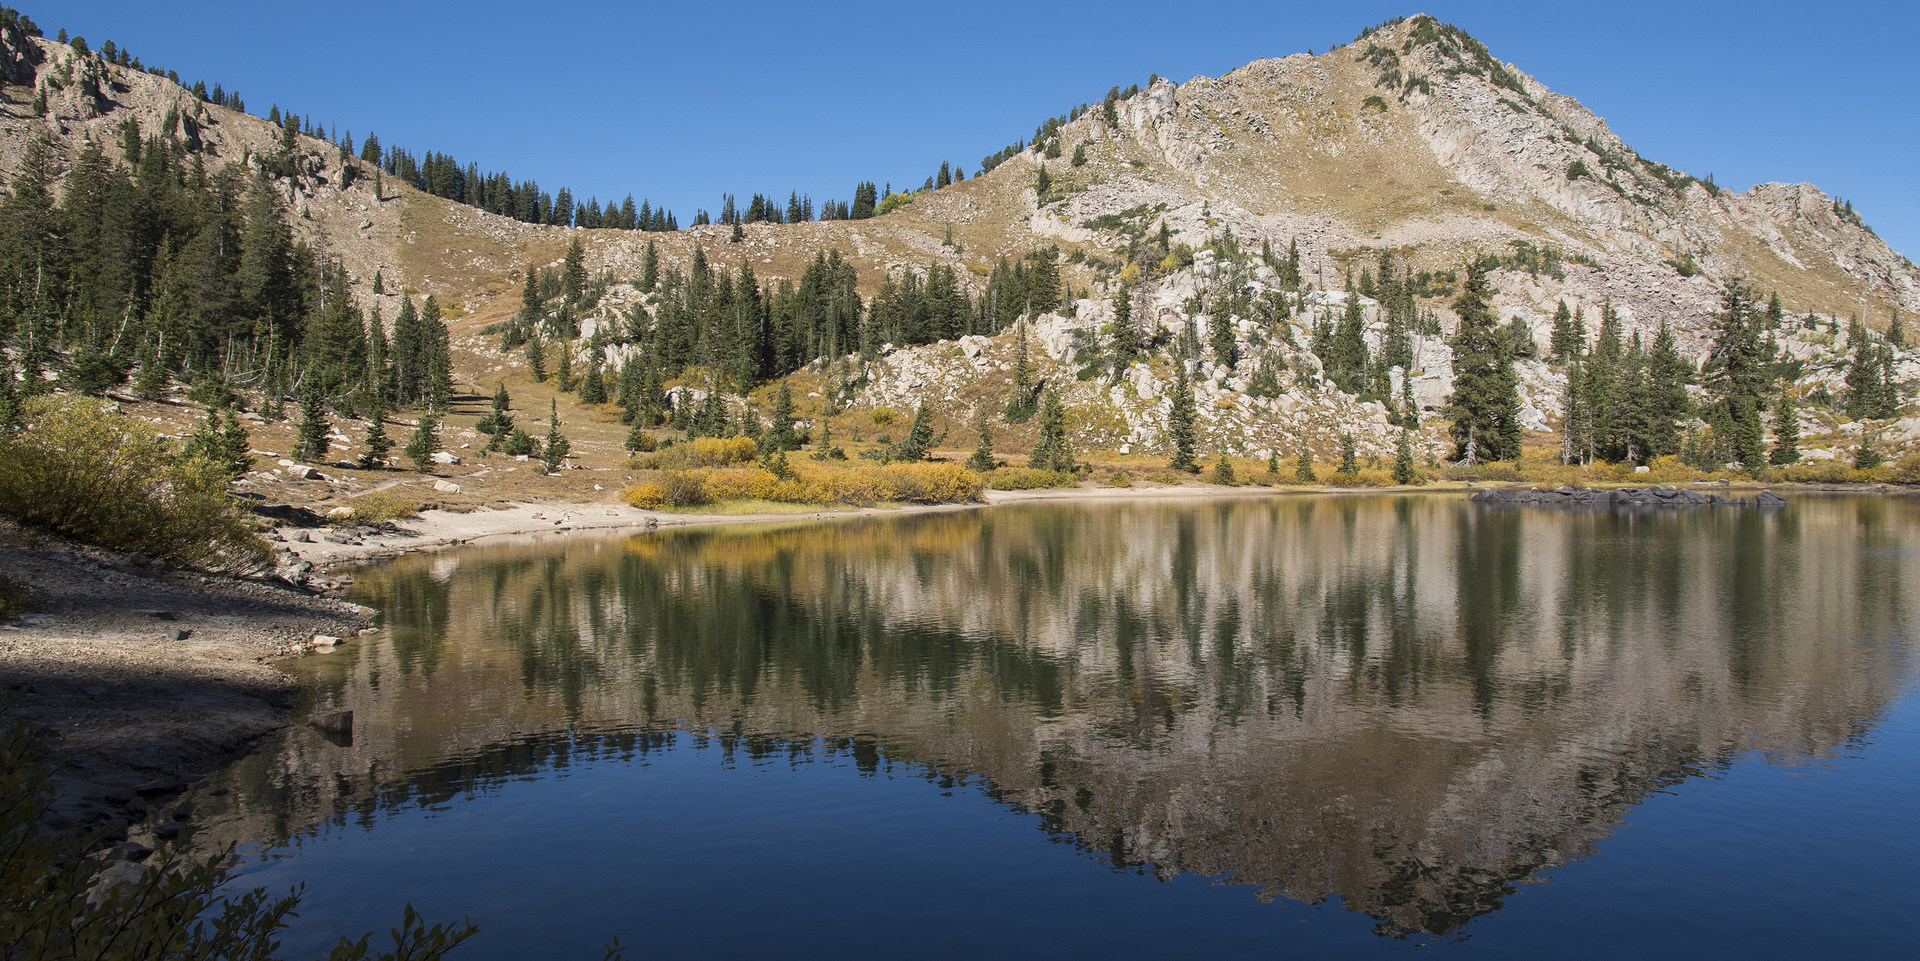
(327, 549)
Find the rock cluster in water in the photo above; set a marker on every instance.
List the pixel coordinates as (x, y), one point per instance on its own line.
(1629, 496)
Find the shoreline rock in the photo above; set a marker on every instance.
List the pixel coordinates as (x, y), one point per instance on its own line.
(1658, 496)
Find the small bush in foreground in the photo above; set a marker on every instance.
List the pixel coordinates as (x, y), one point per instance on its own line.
(82, 470)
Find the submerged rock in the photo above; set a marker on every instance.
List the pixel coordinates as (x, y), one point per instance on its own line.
(1665, 496)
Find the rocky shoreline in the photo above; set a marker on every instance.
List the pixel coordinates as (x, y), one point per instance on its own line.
(1658, 496)
(143, 679)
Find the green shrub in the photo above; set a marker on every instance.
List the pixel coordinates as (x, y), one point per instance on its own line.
(89, 473)
(380, 507)
(683, 489)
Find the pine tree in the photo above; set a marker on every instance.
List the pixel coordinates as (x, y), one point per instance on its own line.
(379, 445)
(1021, 407)
(1124, 335)
(1349, 455)
(1896, 332)
(1576, 421)
(650, 269)
(782, 435)
(1604, 387)
(1303, 464)
(593, 387)
(9, 397)
(424, 442)
(311, 443)
(1043, 183)
(1564, 343)
(573, 273)
(1485, 403)
(1054, 451)
(536, 356)
(1222, 471)
(151, 384)
(1220, 337)
(204, 443)
(1181, 416)
(919, 440)
(1738, 377)
(499, 419)
(1403, 471)
(554, 452)
(1344, 354)
(519, 443)
(1870, 393)
(235, 447)
(982, 460)
(1786, 432)
(1866, 456)
(1667, 403)
(825, 449)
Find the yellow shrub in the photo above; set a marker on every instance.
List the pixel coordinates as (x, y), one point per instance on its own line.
(1906, 470)
(647, 497)
(1120, 478)
(1027, 478)
(683, 489)
(704, 452)
(1668, 469)
(380, 507)
(720, 452)
(1820, 472)
(931, 483)
(741, 483)
(882, 416)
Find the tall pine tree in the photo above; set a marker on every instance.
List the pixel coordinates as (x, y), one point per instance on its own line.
(1485, 404)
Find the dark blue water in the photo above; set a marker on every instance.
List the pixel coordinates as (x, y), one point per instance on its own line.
(1375, 727)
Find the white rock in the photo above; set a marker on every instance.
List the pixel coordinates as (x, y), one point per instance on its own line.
(446, 487)
(444, 457)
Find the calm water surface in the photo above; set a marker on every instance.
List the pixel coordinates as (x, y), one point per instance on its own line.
(1370, 726)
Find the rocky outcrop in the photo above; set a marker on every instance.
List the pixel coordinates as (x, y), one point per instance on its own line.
(1622, 497)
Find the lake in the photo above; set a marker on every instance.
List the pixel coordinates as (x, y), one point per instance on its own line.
(1369, 726)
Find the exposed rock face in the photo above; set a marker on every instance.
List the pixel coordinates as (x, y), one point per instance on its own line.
(1413, 138)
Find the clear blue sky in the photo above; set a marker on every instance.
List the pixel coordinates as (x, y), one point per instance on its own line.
(680, 102)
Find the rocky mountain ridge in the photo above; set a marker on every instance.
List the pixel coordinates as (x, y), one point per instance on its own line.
(1412, 140)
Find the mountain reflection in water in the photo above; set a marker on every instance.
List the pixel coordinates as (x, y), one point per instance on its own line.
(1410, 703)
